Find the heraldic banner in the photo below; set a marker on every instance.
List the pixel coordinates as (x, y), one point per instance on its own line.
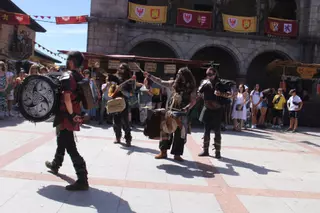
(239, 24)
(72, 19)
(14, 18)
(281, 27)
(149, 14)
(194, 18)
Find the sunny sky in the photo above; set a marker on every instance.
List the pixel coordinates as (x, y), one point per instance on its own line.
(59, 37)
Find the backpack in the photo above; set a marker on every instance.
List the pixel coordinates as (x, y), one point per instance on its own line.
(83, 90)
(85, 94)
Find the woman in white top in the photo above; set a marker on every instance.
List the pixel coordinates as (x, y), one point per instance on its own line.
(239, 111)
(255, 99)
(294, 105)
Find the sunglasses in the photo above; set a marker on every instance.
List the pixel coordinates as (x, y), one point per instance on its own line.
(211, 74)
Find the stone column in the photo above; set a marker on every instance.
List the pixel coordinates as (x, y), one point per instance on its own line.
(106, 26)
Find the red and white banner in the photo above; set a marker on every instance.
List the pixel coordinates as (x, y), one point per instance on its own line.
(14, 18)
(194, 18)
(71, 19)
(281, 27)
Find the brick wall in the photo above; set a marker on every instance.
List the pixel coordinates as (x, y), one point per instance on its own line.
(6, 32)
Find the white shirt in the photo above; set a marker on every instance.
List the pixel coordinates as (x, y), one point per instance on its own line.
(256, 96)
(9, 74)
(296, 99)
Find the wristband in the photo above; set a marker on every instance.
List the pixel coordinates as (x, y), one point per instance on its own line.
(73, 115)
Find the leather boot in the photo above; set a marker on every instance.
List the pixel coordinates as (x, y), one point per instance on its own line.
(204, 153)
(79, 185)
(81, 170)
(128, 138)
(162, 155)
(205, 148)
(217, 147)
(52, 166)
(118, 140)
(218, 154)
(178, 158)
(128, 143)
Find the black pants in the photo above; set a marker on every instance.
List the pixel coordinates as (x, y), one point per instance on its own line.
(121, 120)
(176, 141)
(215, 125)
(65, 140)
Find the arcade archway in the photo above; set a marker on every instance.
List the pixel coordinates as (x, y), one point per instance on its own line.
(228, 68)
(284, 9)
(258, 72)
(240, 7)
(153, 49)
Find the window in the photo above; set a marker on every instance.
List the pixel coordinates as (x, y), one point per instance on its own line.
(144, 2)
(203, 7)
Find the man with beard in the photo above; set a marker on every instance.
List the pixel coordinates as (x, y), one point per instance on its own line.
(68, 120)
(212, 111)
(181, 98)
(121, 119)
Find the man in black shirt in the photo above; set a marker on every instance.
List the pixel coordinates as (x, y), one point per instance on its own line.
(211, 114)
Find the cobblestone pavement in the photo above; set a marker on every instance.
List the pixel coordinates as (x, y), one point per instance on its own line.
(260, 172)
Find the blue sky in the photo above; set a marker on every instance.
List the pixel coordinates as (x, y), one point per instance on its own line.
(59, 37)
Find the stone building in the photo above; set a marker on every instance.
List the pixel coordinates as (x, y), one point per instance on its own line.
(17, 42)
(242, 57)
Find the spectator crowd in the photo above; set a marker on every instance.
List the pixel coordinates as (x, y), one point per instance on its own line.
(246, 109)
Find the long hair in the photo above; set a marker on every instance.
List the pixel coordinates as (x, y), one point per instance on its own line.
(3, 66)
(242, 86)
(125, 72)
(36, 67)
(185, 81)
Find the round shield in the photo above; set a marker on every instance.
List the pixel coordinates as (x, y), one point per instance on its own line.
(38, 98)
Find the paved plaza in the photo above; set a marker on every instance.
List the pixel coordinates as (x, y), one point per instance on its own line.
(260, 172)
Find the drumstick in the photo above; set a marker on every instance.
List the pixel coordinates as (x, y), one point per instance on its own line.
(141, 70)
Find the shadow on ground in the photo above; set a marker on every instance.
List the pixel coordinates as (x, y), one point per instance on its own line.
(138, 149)
(11, 121)
(310, 134)
(310, 144)
(103, 202)
(231, 163)
(251, 133)
(190, 169)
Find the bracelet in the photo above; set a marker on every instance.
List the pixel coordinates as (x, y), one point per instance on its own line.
(73, 115)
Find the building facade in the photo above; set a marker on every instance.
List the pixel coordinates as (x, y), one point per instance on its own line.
(242, 57)
(17, 41)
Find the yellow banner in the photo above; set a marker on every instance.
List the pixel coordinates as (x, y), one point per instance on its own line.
(149, 14)
(239, 24)
(307, 72)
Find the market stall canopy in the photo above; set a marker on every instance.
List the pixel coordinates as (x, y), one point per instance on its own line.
(140, 58)
(290, 63)
(295, 68)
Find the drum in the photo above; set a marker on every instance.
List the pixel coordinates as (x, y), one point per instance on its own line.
(38, 97)
(153, 124)
(116, 105)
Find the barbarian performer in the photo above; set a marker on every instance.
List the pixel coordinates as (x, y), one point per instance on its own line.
(68, 120)
(182, 98)
(121, 119)
(212, 111)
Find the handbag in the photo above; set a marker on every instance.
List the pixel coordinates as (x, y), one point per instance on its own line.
(239, 107)
(277, 100)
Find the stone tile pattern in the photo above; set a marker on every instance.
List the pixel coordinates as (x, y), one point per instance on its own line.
(261, 171)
